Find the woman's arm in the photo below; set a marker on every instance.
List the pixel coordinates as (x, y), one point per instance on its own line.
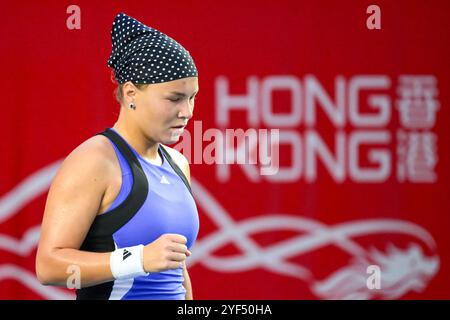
(72, 204)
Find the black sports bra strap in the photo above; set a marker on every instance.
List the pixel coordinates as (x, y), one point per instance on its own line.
(176, 168)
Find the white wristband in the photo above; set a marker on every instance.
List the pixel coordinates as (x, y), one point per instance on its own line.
(127, 262)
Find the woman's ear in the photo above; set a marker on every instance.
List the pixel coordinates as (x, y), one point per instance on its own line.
(129, 92)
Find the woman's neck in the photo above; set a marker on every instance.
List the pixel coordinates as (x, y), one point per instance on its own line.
(144, 147)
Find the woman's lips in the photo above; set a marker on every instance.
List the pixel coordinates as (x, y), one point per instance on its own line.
(178, 130)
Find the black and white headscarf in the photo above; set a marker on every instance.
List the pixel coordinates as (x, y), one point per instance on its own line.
(142, 54)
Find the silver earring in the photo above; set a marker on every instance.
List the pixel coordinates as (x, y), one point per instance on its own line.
(133, 106)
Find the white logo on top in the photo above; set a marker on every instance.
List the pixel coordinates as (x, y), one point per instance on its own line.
(164, 180)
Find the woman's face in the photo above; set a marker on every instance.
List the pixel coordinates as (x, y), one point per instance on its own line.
(163, 109)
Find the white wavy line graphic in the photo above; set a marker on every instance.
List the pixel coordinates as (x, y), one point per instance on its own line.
(297, 245)
(24, 246)
(229, 231)
(8, 271)
(273, 258)
(29, 189)
(10, 204)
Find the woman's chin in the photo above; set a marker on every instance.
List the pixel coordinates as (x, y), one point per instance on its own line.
(171, 140)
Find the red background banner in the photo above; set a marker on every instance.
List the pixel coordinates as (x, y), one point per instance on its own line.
(364, 132)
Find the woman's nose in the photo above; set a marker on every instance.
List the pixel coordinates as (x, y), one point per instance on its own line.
(187, 109)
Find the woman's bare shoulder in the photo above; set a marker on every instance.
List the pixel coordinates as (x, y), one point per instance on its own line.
(76, 192)
(92, 159)
(97, 147)
(95, 151)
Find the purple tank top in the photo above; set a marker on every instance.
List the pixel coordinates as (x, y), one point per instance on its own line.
(168, 208)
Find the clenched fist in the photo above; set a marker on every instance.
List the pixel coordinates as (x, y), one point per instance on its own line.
(169, 251)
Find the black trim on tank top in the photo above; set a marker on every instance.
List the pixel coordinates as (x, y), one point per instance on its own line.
(100, 235)
(105, 225)
(176, 168)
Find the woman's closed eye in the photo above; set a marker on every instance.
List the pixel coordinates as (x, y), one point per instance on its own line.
(178, 99)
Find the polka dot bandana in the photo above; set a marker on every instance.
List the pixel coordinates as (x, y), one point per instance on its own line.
(142, 54)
